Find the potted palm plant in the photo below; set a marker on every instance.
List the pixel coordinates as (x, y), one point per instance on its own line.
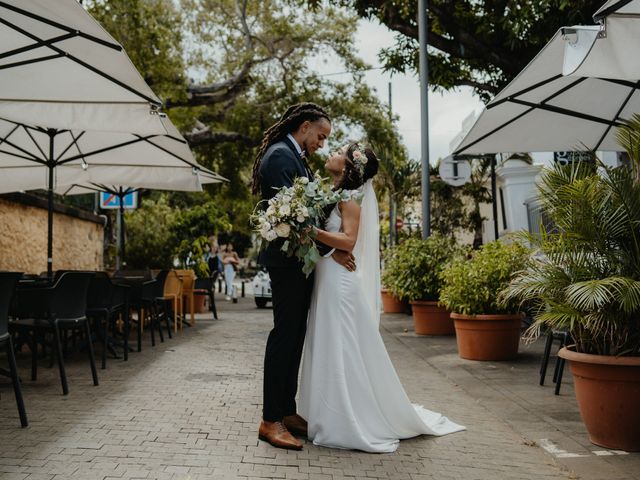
(586, 281)
(412, 272)
(487, 328)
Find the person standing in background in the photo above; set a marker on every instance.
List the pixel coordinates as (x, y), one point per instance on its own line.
(230, 261)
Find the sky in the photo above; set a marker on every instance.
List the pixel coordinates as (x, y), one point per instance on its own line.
(446, 110)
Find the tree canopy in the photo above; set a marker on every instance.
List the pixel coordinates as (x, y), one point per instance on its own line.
(478, 43)
(227, 69)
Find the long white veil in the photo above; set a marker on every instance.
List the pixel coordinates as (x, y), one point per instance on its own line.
(367, 249)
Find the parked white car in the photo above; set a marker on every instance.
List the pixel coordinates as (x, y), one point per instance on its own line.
(261, 289)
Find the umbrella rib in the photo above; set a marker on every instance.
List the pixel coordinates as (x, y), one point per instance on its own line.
(105, 149)
(624, 104)
(563, 89)
(625, 83)
(10, 133)
(82, 63)
(87, 36)
(30, 61)
(29, 158)
(73, 142)
(611, 9)
(170, 152)
(507, 123)
(36, 45)
(564, 111)
(524, 90)
(44, 155)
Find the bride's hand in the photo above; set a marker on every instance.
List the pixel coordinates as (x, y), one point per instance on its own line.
(346, 259)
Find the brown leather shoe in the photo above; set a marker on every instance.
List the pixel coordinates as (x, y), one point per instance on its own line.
(277, 435)
(296, 424)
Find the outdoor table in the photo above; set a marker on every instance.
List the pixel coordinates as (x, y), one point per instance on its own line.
(135, 283)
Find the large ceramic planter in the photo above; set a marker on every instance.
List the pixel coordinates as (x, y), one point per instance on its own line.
(487, 337)
(430, 319)
(391, 304)
(608, 394)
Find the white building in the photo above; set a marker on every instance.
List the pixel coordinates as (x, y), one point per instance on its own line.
(516, 191)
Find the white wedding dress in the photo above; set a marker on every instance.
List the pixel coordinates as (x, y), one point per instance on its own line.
(350, 393)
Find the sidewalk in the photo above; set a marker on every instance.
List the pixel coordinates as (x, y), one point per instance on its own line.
(189, 409)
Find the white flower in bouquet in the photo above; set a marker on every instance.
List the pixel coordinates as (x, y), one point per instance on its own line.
(283, 230)
(292, 211)
(284, 210)
(264, 228)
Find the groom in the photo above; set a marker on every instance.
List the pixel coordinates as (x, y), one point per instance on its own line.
(300, 132)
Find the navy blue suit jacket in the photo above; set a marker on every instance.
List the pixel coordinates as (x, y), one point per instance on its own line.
(279, 167)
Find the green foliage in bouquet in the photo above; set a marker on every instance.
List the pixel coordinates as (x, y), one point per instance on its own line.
(412, 269)
(291, 214)
(586, 277)
(471, 286)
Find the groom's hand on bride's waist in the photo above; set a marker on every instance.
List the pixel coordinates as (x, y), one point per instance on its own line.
(346, 259)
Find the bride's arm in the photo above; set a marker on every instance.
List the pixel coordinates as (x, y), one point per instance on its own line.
(345, 239)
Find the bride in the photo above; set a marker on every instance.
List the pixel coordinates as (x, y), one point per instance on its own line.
(350, 393)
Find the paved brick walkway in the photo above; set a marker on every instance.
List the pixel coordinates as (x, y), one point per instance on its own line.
(189, 409)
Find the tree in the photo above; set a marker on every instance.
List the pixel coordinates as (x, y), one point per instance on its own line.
(478, 43)
(227, 69)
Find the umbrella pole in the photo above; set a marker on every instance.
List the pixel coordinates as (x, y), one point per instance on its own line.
(50, 165)
(121, 229)
(424, 117)
(494, 202)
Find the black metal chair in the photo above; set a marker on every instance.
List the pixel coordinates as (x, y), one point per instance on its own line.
(54, 309)
(8, 282)
(163, 309)
(142, 299)
(105, 301)
(206, 286)
(563, 337)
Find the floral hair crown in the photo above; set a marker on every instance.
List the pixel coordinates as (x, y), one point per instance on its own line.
(359, 158)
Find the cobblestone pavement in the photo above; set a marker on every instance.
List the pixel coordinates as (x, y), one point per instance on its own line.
(189, 409)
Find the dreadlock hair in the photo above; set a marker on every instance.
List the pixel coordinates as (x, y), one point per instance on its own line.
(289, 122)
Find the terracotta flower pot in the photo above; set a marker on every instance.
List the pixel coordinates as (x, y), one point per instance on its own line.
(199, 304)
(391, 304)
(487, 337)
(608, 394)
(430, 319)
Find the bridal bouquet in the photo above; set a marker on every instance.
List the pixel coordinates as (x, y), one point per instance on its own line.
(291, 214)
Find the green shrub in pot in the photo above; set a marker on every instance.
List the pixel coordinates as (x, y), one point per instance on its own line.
(412, 269)
(472, 286)
(487, 327)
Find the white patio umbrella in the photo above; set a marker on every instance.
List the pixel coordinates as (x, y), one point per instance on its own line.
(34, 157)
(542, 110)
(185, 178)
(60, 69)
(573, 94)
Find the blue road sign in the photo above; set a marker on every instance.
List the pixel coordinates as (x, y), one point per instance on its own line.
(109, 200)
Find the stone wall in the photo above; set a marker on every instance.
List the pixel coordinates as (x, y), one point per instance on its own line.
(78, 236)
